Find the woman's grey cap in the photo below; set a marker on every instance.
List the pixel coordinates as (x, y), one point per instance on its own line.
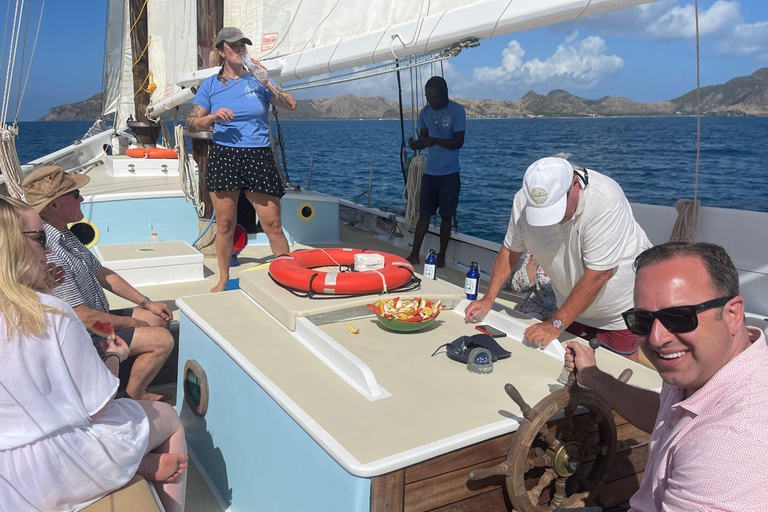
(231, 35)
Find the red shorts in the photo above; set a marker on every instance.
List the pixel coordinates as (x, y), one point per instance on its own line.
(622, 342)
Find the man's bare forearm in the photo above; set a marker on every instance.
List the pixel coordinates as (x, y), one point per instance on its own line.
(638, 406)
(583, 295)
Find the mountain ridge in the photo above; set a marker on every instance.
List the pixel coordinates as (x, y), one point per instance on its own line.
(740, 96)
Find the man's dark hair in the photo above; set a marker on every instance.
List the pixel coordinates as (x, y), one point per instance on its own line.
(722, 272)
(438, 82)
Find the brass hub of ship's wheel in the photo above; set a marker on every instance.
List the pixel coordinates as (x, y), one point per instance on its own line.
(564, 464)
(566, 459)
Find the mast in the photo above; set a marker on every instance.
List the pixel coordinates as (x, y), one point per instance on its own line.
(145, 130)
(210, 19)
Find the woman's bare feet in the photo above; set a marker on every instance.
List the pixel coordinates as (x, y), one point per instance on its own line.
(413, 259)
(220, 286)
(163, 467)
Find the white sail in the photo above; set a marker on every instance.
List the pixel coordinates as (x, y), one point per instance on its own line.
(113, 64)
(322, 36)
(172, 29)
(118, 83)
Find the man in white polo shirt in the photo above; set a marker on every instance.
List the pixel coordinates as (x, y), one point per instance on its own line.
(579, 226)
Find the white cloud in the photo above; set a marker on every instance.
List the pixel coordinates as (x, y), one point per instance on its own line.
(722, 24)
(575, 64)
(679, 22)
(747, 39)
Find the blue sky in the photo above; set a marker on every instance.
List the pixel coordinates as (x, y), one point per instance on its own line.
(645, 53)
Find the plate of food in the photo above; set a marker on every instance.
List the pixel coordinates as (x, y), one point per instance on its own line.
(406, 315)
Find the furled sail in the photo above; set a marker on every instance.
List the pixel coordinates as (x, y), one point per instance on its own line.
(118, 84)
(322, 36)
(172, 29)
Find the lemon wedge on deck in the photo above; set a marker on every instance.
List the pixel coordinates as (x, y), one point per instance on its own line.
(352, 329)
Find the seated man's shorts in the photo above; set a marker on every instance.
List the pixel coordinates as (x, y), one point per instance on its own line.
(622, 342)
(440, 191)
(125, 334)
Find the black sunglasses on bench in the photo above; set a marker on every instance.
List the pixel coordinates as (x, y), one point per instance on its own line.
(678, 319)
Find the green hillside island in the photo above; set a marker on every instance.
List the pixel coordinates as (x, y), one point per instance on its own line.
(742, 96)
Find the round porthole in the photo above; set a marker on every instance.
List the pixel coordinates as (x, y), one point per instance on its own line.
(85, 231)
(307, 211)
(195, 388)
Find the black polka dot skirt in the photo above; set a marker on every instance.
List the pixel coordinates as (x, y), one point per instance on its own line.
(251, 169)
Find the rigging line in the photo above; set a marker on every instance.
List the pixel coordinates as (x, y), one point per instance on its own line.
(104, 62)
(698, 121)
(149, 39)
(5, 30)
(411, 58)
(416, 32)
(335, 80)
(138, 16)
(11, 59)
(21, 65)
(32, 56)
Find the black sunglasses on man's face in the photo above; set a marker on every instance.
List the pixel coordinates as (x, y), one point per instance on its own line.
(74, 193)
(678, 319)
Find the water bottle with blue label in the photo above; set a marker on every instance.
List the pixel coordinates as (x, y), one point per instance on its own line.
(429, 265)
(472, 281)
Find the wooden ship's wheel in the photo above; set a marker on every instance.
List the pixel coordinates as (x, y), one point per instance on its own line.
(561, 466)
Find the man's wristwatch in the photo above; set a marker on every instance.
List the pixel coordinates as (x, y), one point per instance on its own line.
(146, 299)
(558, 324)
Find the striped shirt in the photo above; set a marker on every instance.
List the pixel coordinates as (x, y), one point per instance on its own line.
(707, 451)
(80, 267)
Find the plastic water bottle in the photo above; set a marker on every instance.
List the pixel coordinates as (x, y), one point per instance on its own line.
(429, 265)
(257, 71)
(472, 281)
(155, 238)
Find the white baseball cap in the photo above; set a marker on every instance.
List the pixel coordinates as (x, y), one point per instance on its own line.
(545, 185)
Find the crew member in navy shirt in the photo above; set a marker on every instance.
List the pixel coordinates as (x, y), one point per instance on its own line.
(442, 124)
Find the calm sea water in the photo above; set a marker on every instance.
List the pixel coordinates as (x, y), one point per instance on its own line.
(653, 159)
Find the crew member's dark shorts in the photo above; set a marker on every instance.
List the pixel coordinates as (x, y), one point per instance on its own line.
(622, 342)
(251, 169)
(125, 334)
(440, 191)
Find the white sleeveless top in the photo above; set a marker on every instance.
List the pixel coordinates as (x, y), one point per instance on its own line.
(52, 455)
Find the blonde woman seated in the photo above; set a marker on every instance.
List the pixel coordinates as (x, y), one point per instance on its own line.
(64, 441)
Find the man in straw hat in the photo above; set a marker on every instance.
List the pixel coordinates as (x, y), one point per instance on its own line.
(579, 226)
(55, 195)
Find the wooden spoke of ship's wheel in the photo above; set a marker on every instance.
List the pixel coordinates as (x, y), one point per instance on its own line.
(558, 452)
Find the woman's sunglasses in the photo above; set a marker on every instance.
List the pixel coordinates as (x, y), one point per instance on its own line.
(678, 319)
(41, 237)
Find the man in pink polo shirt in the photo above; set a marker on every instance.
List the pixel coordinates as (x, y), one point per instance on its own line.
(708, 425)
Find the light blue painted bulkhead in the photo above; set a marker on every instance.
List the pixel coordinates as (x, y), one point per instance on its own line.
(256, 455)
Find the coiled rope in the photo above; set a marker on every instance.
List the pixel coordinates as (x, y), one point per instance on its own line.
(412, 190)
(187, 176)
(9, 161)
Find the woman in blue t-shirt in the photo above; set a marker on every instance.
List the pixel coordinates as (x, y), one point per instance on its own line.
(236, 104)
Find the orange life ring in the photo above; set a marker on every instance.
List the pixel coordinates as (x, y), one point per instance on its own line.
(151, 153)
(294, 271)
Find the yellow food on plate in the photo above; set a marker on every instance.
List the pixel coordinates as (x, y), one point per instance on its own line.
(414, 310)
(352, 329)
